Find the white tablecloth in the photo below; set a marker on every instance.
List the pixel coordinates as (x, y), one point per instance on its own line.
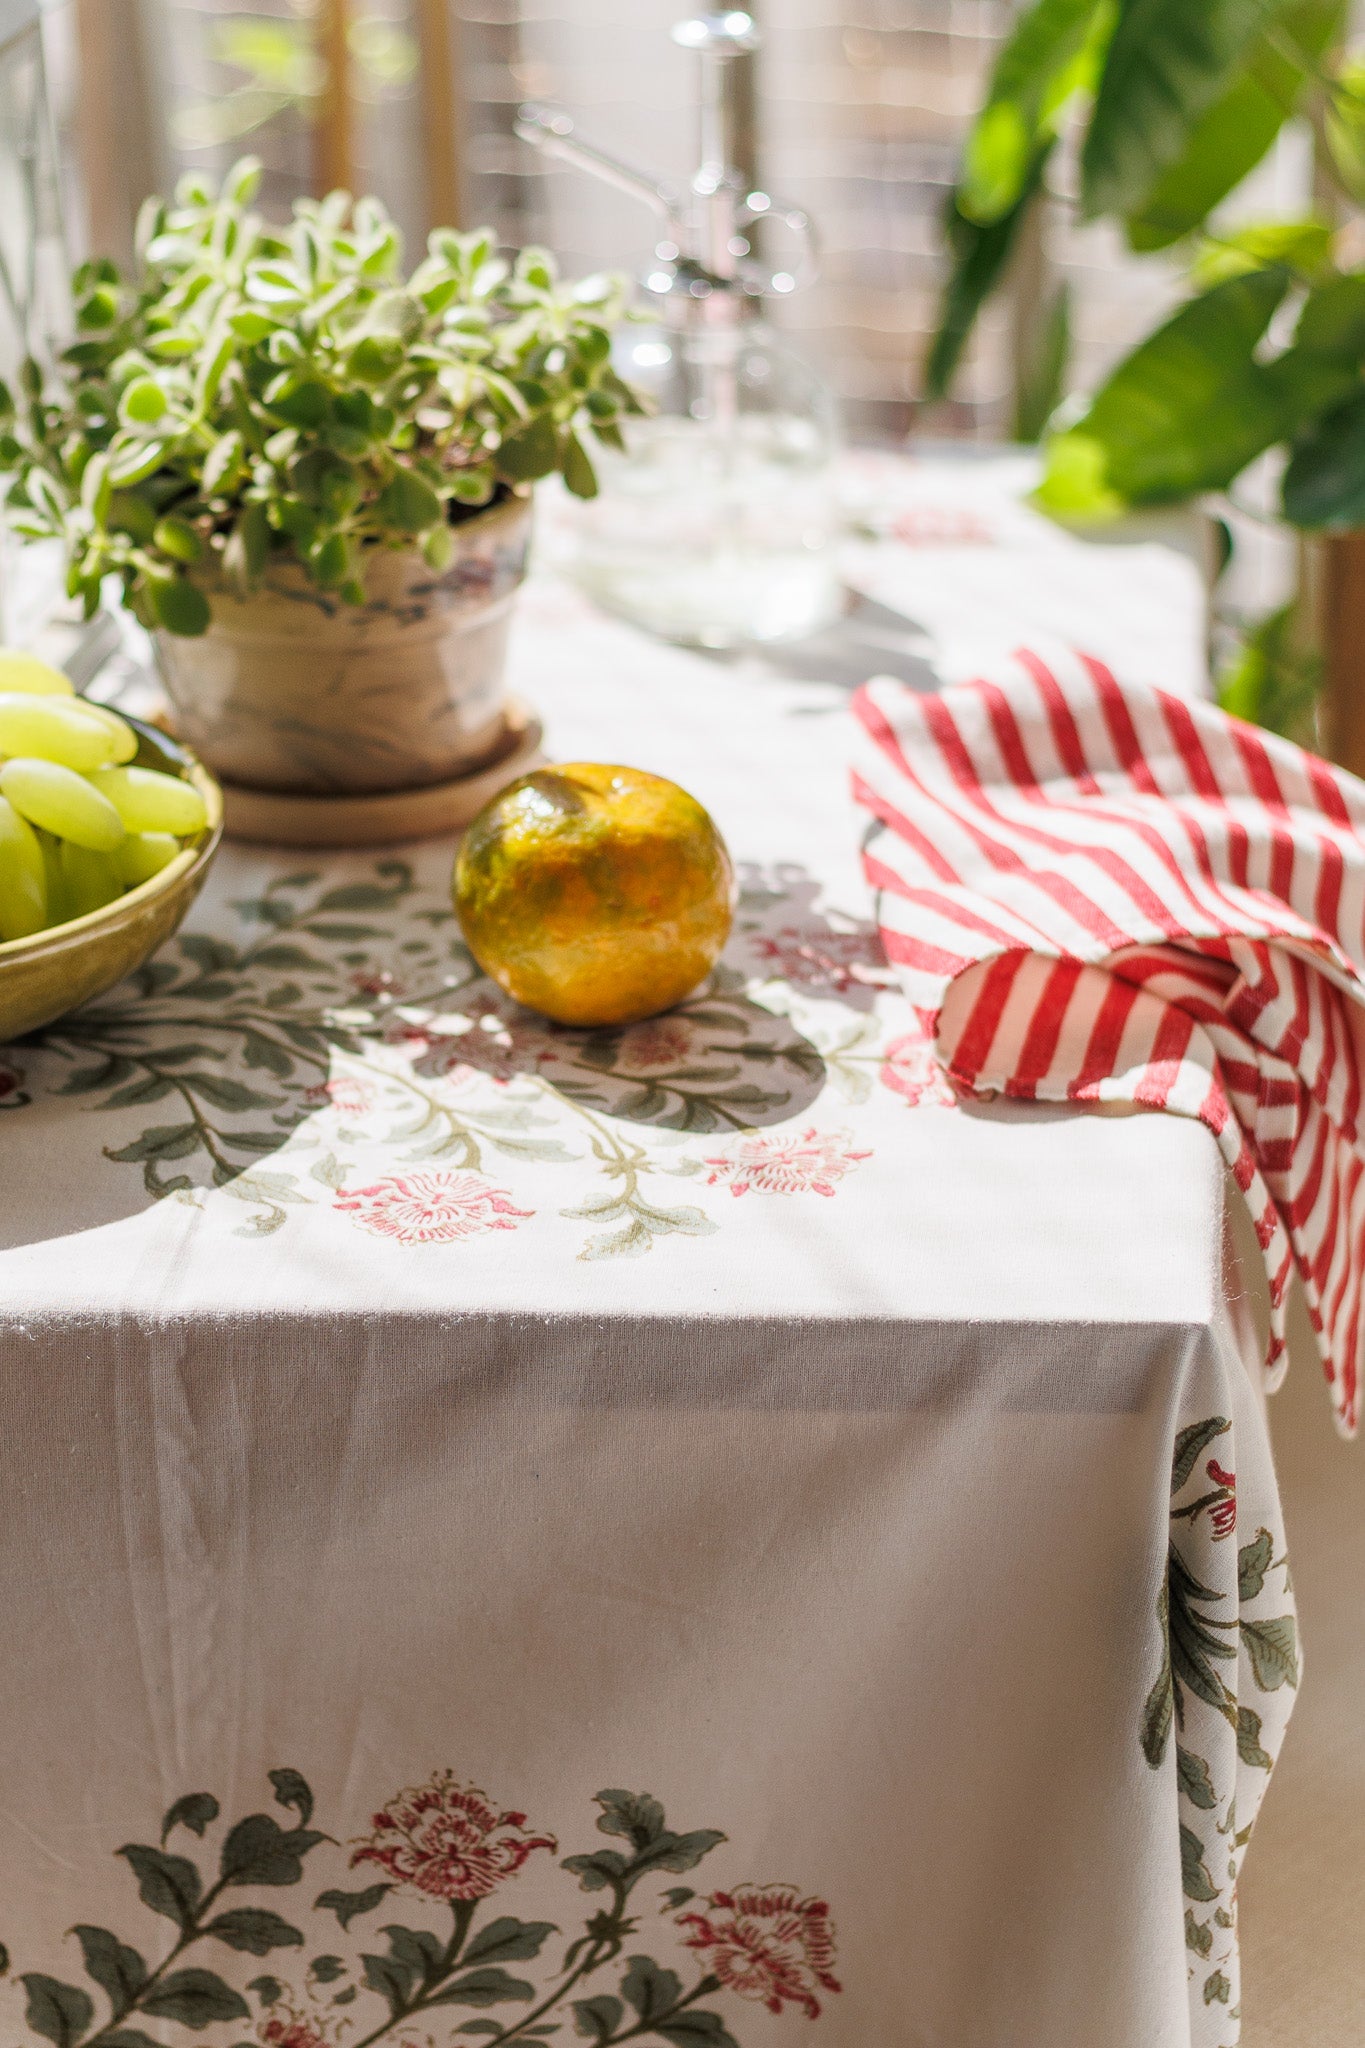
(403, 1397)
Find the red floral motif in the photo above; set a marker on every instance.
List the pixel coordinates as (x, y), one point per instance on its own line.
(822, 959)
(9, 1081)
(658, 1043)
(910, 1067)
(291, 2030)
(383, 985)
(444, 1840)
(497, 1046)
(431, 1208)
(767, 1942)
(1223, 1512)
(813, 1163)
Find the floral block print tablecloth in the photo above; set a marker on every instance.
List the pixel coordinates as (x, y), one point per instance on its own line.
(680, 1533)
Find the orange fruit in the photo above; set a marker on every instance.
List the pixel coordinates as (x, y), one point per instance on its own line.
(595, 894)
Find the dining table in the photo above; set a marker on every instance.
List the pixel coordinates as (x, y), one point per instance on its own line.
(687, 1531)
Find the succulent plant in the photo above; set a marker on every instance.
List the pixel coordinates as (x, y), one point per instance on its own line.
(257, 393)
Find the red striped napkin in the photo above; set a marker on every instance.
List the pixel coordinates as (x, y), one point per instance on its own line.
(1097, 892)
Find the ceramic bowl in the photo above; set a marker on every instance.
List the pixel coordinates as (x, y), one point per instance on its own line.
(43, 977)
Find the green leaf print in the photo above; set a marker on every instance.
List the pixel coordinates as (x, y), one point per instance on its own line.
(1198, 1934)
(1217, 1989)
(168, 1884)
(1192, 1774)
(59, 2012)
(1249, 1747)
(196, 1811)
(118, 1970)
(292, 1790)
(1195, 1880)
(509, 1941)
(1189, 1445)
(1253, 1562)
(254, 1931)
(196, 1998)
(349, 1905)
(1273, 1649)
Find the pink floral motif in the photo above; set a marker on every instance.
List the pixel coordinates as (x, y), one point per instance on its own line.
(346, 1092)
(431, 1208)
(444, 1840)
(813, 1163)
(767, 1942)
(910, 1067)
(1223, 1511)
(938, 526)
(820, 958)
(657, 1044)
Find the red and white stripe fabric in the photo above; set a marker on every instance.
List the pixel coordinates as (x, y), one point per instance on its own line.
(1098, 892)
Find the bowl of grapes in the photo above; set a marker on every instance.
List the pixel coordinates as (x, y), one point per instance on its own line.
(107, 830)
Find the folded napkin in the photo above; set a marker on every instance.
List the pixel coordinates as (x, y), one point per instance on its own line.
(1097, 892)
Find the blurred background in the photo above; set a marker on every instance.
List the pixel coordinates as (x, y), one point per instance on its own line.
(862, 109)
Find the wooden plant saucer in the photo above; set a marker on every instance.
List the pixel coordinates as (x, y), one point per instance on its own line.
(274, 818)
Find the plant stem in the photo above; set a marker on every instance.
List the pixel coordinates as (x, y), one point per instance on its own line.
(188, 1936)
(650, 2026)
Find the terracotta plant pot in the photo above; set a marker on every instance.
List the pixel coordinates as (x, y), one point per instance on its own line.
(293, 691)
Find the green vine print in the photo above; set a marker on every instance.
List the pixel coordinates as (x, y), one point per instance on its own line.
(336, 1046)
(449, 1848)
(1218, 1645)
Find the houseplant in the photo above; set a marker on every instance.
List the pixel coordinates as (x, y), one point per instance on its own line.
(311, 474)
(1168, 107)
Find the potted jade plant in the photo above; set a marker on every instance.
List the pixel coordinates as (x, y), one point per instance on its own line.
(311, 474)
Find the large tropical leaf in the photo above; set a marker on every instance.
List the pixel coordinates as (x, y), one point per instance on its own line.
(1232, 137)
(979, 256)
(1053, 52)
(1322, 368)
(1324, 485)
(1170, 61)
(1191, 407)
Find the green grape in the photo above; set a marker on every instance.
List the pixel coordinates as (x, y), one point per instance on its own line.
(62, 802)
(25, 672)
(124, 738)
(91, 879)
(23, 882)
(144, 854)
(54, 731)
(58, 909)
(148, 801)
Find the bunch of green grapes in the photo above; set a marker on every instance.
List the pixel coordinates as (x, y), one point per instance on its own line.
(78, 823)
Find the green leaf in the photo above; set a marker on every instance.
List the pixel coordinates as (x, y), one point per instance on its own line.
(694, 2029)
(1035, 75)
(1195, 1880)
(1249, 1747)
(129, 2037)
(163, 1141)
(1042, 373)
(195, 1999)
(258, 1851)
(1231, 138)
(596, 1872)
(349, 1905)
(579, 475)
(648, 1989)
(408, 503)
(268, 1989)
(196, 1811)
(224, 1093)
(326, 1969)
(979, 256)
(178, 539)
(637, 1815)
(1253, 1562)
(180, 606)
(532, 453)
(1192, 1776)
(1217, 1988)
(484, 1987)
(597, 2019)
(118, 1970)
(167, 1884)
(1198, 1934)
(254, 1931)
(248, 545)
(143, 402)
(508, 1941)
(293, 1790)
(59, 2012)
(1273, 1649)
(393, 1983)
(1191, 407)
(1168, 63)
(1324, 484)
